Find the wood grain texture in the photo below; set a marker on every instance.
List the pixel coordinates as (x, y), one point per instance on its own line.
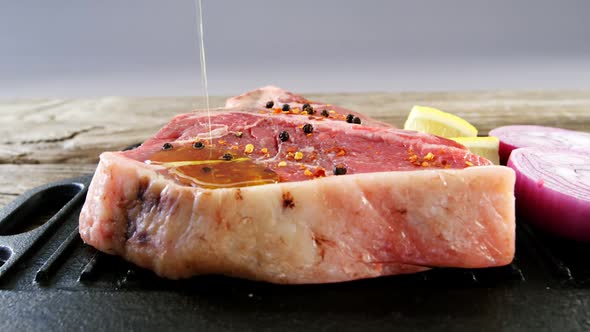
(16, 179)
(76, 131)
(46, 134)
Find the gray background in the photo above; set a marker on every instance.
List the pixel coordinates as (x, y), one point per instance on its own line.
(67, 48)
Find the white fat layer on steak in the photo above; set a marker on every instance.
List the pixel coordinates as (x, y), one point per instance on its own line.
(215, 133)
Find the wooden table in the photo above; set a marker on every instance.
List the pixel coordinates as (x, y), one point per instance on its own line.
(47, 140)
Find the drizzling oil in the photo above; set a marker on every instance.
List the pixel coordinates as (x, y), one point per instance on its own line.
(203, 62)
(209, 166)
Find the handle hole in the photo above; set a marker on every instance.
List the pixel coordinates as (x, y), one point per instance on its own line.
(38, 209)
(5, 254)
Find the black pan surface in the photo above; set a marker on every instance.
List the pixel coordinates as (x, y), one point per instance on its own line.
(50, 280)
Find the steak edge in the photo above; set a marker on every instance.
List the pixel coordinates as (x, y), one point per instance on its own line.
(368, 224)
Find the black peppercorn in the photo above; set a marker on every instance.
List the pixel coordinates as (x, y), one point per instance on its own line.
(349, 118)
(339, 170)
(286, 108)
(356, 120)
(207, 169)
(284, 136)
(307, 108)
(167, 146)
(270, 104)
(325, 113)
(227, 156)
(198, 145)
(307, 128)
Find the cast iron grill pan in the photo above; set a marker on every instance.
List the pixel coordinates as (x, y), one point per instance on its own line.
(50, 280)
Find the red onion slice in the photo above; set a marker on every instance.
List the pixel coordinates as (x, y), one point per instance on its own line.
(553, 190)
(513, 137)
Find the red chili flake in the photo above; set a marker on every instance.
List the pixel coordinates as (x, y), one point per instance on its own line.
(320, 172)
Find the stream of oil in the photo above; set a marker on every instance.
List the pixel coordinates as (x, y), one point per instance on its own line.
(210, 166)
(203, 61)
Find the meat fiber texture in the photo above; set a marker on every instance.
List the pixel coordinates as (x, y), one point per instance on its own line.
(408, 202)
(259, 97)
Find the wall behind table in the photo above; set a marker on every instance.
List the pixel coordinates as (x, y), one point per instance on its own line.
(69, 48)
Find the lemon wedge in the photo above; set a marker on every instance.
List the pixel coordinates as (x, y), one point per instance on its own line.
(486, 147)
(433, 121)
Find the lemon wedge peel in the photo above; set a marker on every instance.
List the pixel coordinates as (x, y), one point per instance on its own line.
(433, 121)
(486, 147)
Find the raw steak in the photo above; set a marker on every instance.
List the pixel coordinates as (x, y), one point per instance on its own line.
(247, 202)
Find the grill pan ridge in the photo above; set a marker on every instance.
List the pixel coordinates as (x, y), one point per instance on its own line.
(50, 280)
